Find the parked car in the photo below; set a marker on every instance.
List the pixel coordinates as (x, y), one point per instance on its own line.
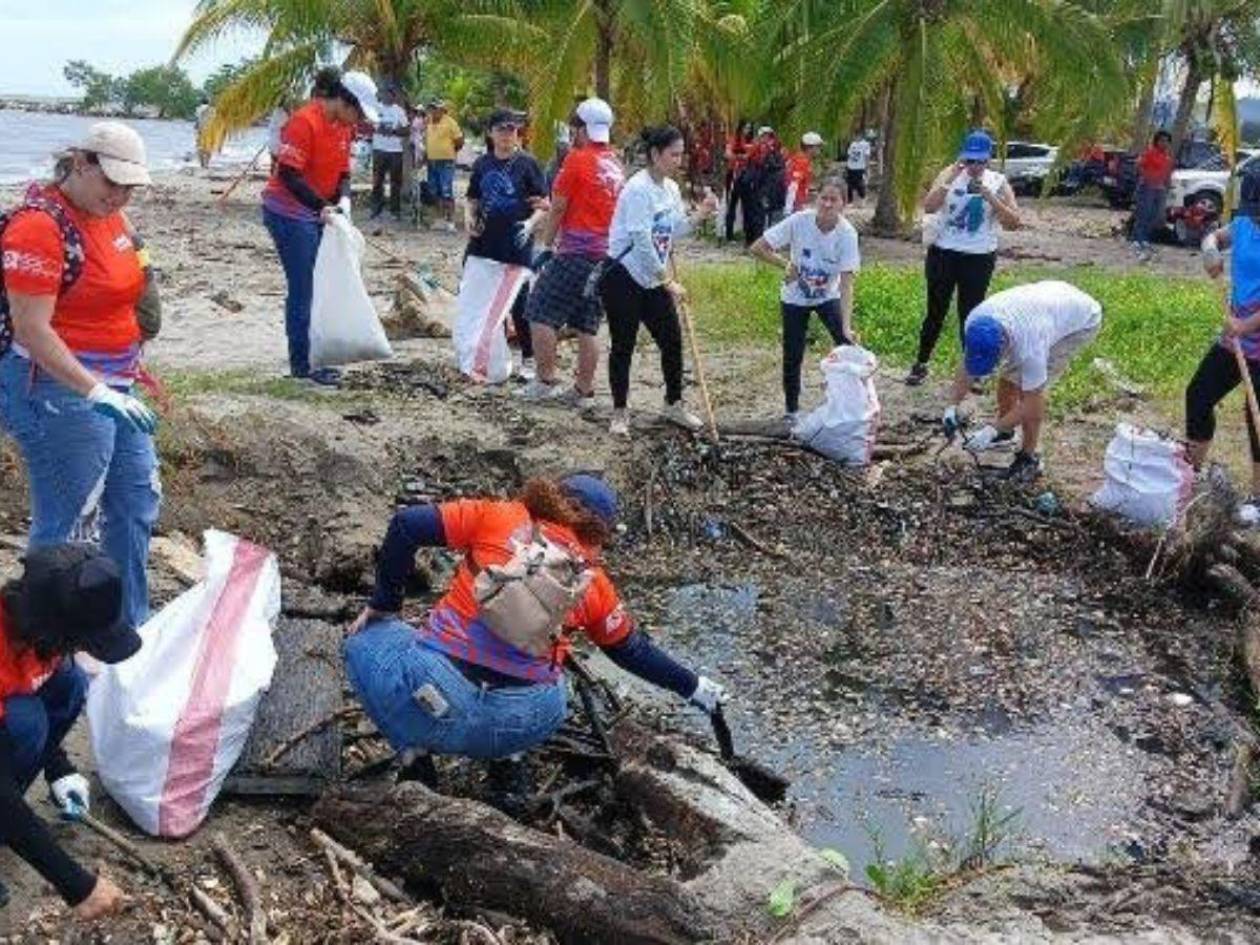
(1026, 165)
(1196, 196)
(1120, 181)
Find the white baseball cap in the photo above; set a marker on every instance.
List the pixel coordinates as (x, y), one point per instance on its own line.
(119, 150)
(811, 139)
(764, 130)
(597, 116)
(363, 89)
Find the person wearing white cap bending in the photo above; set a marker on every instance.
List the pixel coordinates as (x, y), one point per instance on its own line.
(74, 279)
(310, 182)
(566, 294)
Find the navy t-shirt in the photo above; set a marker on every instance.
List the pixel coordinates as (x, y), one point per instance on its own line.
(503, 188)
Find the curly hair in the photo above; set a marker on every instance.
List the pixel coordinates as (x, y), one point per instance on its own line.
(548, 501)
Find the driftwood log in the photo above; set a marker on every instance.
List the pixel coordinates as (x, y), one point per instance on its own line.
(1231, 582)
(481, 858)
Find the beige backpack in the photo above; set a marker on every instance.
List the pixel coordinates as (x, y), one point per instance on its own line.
(524, 601)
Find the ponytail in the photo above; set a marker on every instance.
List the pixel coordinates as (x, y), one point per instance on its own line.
(547, 501)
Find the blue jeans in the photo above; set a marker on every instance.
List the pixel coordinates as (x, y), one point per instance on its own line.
(442, 179)
(91, 477)
(391, 670)
(38, 723)
(297, 242)
(1148, 209)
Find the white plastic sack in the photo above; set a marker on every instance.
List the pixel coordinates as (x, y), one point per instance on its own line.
(843, 426)
(345, 328)
(1148, 480)
(487, 290)
(168, 724)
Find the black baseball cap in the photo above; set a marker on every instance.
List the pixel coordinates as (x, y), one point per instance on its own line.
(72, 592)
(504, 116)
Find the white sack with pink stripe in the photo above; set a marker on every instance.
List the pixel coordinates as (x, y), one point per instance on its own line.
(168, 724)
(487, 292)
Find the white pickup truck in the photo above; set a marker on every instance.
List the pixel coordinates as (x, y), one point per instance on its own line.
(1205, 186)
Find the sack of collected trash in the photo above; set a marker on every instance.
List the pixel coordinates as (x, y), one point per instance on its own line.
(843, 426)
(1148, 480)
(487, 290)
(168, 724)
(345, 328)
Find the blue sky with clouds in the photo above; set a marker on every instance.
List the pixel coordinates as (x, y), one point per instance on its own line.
(39, 36)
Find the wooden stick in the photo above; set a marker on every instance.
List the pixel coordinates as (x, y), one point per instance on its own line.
(383, 934)
(118, 840)
(240, 177)
(684, 315)
(360, 866)
(255, 918)
(211, 910)
(753, 542)
(1253, 408)
(317, 726)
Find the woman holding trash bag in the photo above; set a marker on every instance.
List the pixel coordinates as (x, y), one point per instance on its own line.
(74, 280)
(1218, 372)
(970, 200)
(311, 180)
(506, 200)
(818, 275)
(638, 288)
(455, 684)
(68, 598)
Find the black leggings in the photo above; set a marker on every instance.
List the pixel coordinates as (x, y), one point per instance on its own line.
(629, 305)
(795, 331)
(947, 270)
(387, 164)
(1217, 376)
(520, 324)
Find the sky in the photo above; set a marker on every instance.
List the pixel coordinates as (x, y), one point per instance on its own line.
(116, 36)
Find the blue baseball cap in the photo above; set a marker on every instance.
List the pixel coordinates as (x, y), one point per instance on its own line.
(595, 494)
(982, 345)
(977, 146)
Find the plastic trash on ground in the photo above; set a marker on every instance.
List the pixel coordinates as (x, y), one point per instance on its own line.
(168, 724)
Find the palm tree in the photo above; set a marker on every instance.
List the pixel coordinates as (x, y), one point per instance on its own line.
(946, 65)
(383, 37)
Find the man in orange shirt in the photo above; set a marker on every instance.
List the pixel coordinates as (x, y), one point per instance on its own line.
(800, 171)
(453, 685)
(1155, 168)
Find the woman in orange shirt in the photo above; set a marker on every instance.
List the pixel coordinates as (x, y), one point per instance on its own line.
(73, 277)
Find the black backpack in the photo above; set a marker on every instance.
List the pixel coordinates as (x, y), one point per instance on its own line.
(72, 249)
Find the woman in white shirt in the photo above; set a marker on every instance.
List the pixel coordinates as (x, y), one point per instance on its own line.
(969, 199)
(638, 287)
(818, 276)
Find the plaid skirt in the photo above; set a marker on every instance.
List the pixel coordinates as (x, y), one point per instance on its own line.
(557, 298)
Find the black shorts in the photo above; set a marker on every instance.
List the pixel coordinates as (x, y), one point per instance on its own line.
(557, 298)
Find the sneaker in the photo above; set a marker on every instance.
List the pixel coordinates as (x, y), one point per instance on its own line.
(325, 377)
(620, 425)
(528, 370)
(419, 768)
(575, 398)
(511, 785)
(918, 374)
(677, 413)
(1248, 513)
(1004, 442)
(792, 418)
(539, 390)
(1025, 467)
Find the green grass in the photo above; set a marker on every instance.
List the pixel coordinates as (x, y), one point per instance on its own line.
(1155, 328)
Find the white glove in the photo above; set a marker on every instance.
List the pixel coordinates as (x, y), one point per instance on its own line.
(1212, 258)
(949, 421)
(708, 695)
(122, 408)
(72, 794)
(982, 439)
(343, 205)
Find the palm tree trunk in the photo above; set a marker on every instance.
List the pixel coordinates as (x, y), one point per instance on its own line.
(1185, 105)
(1146, 102)
(887, 219)
(603, 49)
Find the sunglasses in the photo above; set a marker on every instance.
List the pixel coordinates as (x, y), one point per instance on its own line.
(973, 162)
(509, 126)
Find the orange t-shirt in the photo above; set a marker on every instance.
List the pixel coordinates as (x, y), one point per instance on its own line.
(21, 670)
(590, 179)
(98, 312)
(799, 172)
(316, 148)
(484, 530)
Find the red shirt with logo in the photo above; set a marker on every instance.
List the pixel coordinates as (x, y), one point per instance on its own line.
(590, 179)
(97, 314)
(319, 150)
(21, 670)
(484, 530)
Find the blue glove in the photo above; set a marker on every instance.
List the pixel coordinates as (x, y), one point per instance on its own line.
(122, 408)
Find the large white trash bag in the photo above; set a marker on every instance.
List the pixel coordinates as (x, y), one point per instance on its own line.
(168, 724)
(486, 293)
(843, 426)
(1148, 480)
(345, 328)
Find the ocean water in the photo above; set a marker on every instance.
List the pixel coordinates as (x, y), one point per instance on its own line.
(29, 139)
